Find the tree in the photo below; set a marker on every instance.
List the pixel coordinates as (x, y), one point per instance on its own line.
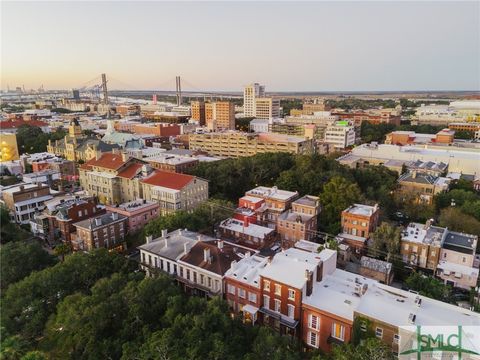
(337, 194)
(385, 240)
(20, 259)
(27, 304)
(370, 349)
(429, 286)
(456, 220)
(9, 231)
(62, 250)
(13, 348)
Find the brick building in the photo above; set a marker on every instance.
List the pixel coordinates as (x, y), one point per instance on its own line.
(358, 222)
(104, 231)
(139, 213)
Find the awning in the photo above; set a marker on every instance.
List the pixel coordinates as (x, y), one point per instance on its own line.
(250, 309)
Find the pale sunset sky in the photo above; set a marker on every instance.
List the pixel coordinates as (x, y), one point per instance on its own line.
(288, 46)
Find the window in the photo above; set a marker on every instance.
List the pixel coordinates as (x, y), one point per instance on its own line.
(379, 332)
(396, 338)
(278, 305)
(291, 294)
(278, 289)
(266, 285)
(252, 297)
(231, 289)
(291, 311)
(312, 339)
(338, 331)
(242, 293)
(313, 322)
(266, 301)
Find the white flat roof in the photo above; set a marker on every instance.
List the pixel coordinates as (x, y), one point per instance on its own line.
(457, 268)
(252, 229)
(247, 270)
(288, 267)
(361, 209)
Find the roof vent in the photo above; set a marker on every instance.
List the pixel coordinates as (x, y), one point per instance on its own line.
(411, 318)
(418, 301)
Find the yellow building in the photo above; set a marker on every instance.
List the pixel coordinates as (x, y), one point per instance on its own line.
(236, 144)
(220, 115)
(76, 146)
(8, 147)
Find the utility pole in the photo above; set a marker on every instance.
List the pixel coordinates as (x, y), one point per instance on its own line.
(104, 87)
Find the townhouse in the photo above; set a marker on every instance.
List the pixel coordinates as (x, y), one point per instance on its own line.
(24, 200)
(421, 186)
(104, 231)
(358, 222)
(299, 222)
(450, 255)
(139, 212)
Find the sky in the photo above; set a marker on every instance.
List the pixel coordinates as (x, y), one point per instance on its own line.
(288, 46)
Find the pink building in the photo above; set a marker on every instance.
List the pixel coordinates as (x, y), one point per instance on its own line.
(139, 212)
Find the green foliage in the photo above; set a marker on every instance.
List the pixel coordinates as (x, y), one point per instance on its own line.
(370, 349)
(373, 132)
(34, 355)
(13, 266)
(358, 334)
(230, 178)
(289, 104)
(13, 348)
(337, 194)
(385, 241)
(200, 219)
(429, 286)
(9, 231)
(27, 304)
(31, 139)
(243, 124)
(360, 104)
(455, 219)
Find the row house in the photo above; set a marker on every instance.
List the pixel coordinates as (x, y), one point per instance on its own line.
(358, 222)
(198, 262)
(299, 222)
(286, 282)
(24, 200)
(276, 202)
(116, 178)
(450, 255)
(55, 223)
(422, 186)
(202, 269)
(163, 253)
(139, 213)
(246, 233)
(104, 231)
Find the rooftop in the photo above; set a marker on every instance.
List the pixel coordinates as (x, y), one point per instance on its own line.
(100, 221)
(248, 269)
(375, 264)
(424, 234)
(175, 245)
(168, 179)
(107, 160)
(271, 193)
(135, 205)
(307, 200)
(361, 209)
(253, 230)
(289, 267)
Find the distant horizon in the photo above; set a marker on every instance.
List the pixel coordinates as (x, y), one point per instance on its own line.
(362, 46)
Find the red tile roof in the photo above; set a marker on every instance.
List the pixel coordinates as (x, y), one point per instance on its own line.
(107, 160)
(130, 171)
(13, 124)
(168, 179)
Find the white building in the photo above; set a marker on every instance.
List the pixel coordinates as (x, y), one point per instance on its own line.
(250, 93)
(42, 177)
(259, 125)
(340, 134)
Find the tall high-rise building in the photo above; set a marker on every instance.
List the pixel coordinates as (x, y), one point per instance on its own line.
(198, 111)
(220, 115)
(250, 93)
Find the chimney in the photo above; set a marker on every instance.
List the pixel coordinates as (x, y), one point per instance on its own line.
(199, 237)
(148, 239)
(97, 155)
(186, 248)
(206, 255)
(247, 254)
(233, 265)
(414, 174)
(320, 272)
(164, 233)
(114, 216)
(220, 244)
(125, 156)
(166, 242)
(309, 279)
(98, 221)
